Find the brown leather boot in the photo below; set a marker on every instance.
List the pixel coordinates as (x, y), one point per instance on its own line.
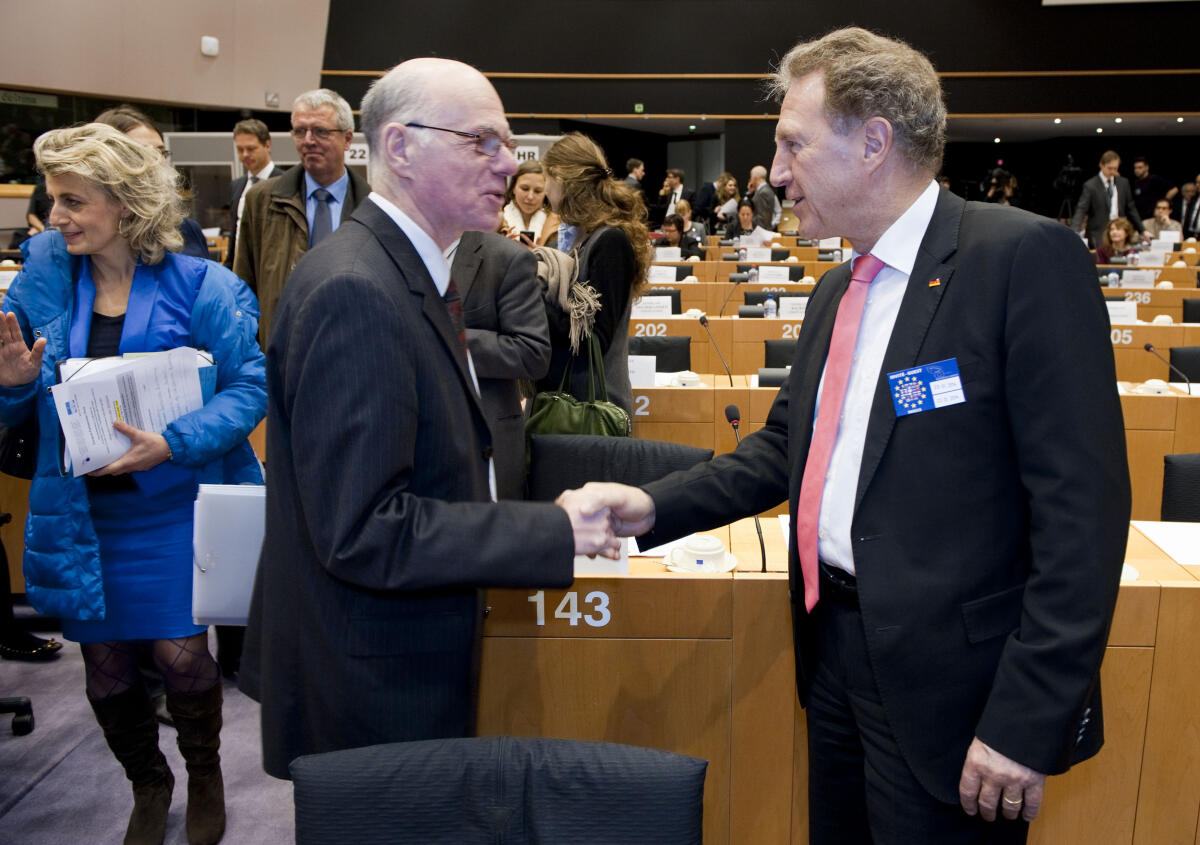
(198, 720)
(131, 731)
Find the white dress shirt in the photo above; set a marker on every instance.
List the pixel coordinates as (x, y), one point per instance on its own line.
(265, 173)
(898, 250)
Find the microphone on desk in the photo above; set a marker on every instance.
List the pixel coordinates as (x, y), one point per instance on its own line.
(713, 340)
(734, 418)
(1149, 347)
(736, 279)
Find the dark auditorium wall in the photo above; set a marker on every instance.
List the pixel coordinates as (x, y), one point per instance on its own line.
(976, 42)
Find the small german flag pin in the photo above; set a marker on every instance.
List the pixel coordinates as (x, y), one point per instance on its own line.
(935, 283)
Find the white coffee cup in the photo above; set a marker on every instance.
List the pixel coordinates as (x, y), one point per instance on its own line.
(701, 553)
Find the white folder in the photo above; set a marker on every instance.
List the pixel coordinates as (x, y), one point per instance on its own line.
(226, 541)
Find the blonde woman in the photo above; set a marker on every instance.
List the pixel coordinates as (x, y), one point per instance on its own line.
(110, 553)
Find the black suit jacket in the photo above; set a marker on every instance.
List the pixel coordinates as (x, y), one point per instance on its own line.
(659, 210)
(366, 615)
(705, 198)
(988, 536)
(1093, 204)
(1182, 213)
(506, 332)
(235, 196)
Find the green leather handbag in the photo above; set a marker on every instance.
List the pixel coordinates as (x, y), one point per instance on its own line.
(558, 412)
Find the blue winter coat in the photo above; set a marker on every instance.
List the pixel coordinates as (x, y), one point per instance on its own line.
(182, 301)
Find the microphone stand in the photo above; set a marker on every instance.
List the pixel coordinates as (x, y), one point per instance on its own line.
(713, 341)
(734, 418)
(1149, 347)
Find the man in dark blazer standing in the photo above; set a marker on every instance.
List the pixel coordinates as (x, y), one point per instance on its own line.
(366, 617)
(959, 490)
(252, 141)
(508, 338)
(1104, 197)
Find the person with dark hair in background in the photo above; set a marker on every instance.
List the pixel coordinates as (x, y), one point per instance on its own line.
(1120, 239)
(1104, 197)
(613, 257)
(110, 552)
(526, 208)
(1149, 188)
(671, 192)
(635, 171)
(125, 118)
(673, 235)
(959, 504)
(252, 141)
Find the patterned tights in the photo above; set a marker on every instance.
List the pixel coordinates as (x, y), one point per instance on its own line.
(185, 664)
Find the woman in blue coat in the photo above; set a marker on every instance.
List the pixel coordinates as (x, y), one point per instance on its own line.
(110, 553)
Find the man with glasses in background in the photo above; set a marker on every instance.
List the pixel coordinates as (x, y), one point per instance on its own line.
(367, 616)
(282, 218)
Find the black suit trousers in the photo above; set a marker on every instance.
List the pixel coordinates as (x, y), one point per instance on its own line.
(860, 789)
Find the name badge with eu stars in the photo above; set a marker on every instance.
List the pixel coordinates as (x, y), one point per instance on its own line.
(927, 387)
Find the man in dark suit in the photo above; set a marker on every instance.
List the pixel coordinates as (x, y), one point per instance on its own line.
(508, 339)
(1104, 197)
(960, 501)
(365, 623)
(1186, 208)
(671, 192)
(282, 218)
(252, 141)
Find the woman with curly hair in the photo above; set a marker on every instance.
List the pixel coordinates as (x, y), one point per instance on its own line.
(1119, 240)
(110, 553)
(612, 248)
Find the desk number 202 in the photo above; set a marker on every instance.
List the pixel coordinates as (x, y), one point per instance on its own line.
(568, 608)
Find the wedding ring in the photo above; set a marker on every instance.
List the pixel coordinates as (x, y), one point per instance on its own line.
(1010, 802)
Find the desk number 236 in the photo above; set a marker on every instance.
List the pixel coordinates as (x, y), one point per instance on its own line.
(568, 608)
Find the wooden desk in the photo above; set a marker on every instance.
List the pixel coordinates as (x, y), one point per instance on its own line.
(702, 665)
(1152, 302)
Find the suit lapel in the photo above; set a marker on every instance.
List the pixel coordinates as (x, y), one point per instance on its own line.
(412, 269)
(466, 263)
(917, 308)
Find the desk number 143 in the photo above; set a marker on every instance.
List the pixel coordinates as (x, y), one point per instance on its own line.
(568, 608)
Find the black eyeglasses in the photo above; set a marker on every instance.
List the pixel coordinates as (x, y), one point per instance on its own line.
(319, 132)
(487, 143)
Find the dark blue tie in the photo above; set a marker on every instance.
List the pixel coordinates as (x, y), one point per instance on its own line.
(322, 222)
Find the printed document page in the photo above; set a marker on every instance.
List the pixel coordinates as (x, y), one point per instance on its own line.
(146, 392)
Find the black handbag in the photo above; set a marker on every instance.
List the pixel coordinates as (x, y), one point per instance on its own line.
(558, 412)
(18, 448)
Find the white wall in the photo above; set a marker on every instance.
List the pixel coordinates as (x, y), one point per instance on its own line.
(150, 49)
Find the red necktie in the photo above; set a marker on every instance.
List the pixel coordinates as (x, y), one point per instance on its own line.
(833, 397)
(455, 308)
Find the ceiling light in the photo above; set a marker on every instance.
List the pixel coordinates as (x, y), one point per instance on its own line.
(1116, 120)
(1099, 129)
(1179, 120)
(995, 140)
(1058, 120)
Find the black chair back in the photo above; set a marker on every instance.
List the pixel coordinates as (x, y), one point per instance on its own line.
(676, 305)
(1187, 359)
(671, 354)
(498, 789)
(779, 353)
(1191, 310)
(1181, 488)
(561, 462)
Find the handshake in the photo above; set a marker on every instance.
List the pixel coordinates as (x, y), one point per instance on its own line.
(601, 513)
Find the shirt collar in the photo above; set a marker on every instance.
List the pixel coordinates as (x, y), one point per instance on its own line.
(337, 188)
(265, 173)
(431, 256)
(898, 246)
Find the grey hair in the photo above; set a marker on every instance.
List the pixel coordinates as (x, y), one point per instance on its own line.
(321, 97)
(867, 75)
(402, 95)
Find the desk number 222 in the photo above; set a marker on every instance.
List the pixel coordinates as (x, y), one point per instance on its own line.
(568, 608)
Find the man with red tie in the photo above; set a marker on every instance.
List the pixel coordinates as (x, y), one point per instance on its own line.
(951, 446)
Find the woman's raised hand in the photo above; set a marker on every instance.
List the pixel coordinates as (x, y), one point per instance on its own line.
(18, 363)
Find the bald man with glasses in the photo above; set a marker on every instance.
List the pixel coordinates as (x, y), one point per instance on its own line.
(286, 216)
